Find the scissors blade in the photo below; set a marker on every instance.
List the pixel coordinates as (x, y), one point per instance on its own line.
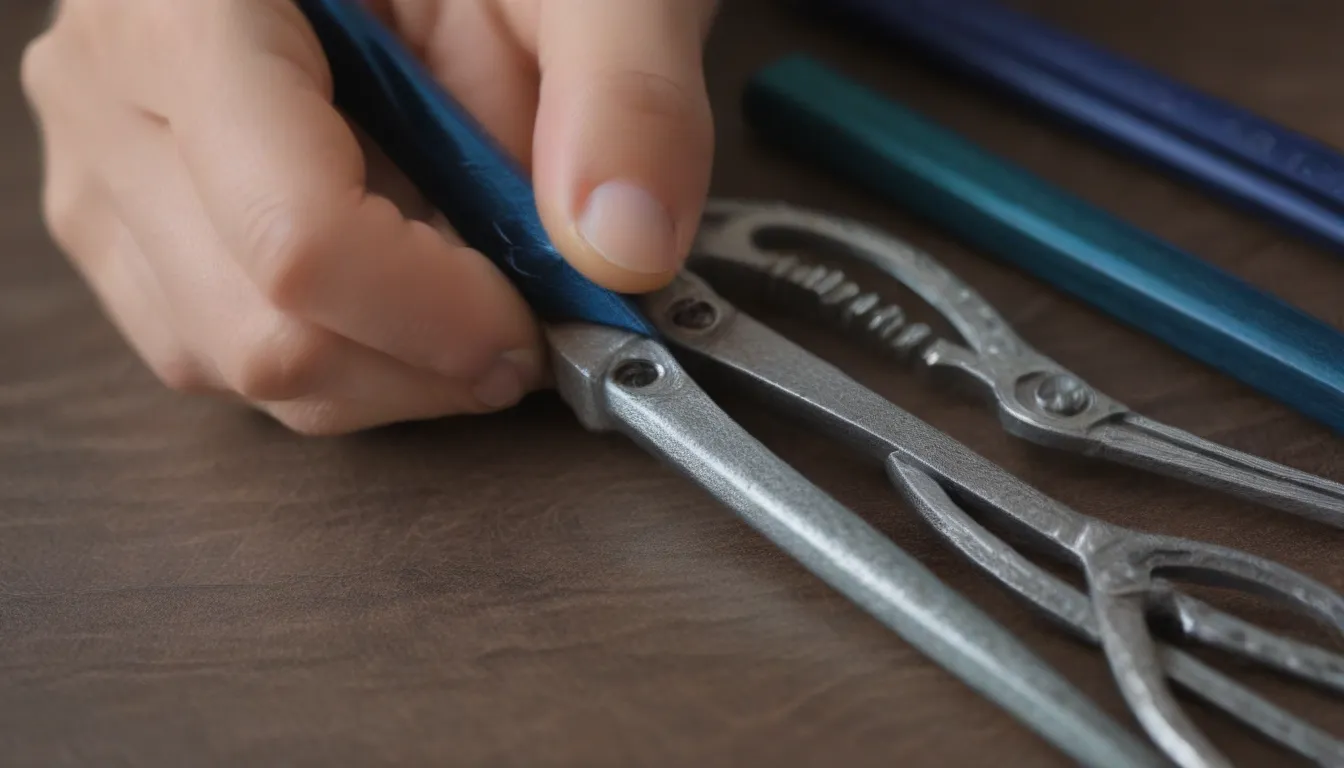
(617, 381)
(1141, 442)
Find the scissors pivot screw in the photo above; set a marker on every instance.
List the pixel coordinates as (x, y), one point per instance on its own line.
(637, 374)
(1063, 395)
(693, 314)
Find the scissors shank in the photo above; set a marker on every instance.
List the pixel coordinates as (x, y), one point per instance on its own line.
(621, 383)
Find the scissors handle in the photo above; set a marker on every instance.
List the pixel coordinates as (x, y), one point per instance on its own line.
(456, 165)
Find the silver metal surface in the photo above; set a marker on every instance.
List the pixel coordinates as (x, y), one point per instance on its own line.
(617, 382)
(759, 245)
(1128, 572)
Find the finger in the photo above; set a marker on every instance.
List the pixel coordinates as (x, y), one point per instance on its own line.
(471, 49)
(417, 396)
(261, 353)
(69, 189)
(283, 183)
(624, 137)
(126, 289)
(84, 226)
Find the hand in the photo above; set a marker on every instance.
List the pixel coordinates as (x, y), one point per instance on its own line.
(231, 223)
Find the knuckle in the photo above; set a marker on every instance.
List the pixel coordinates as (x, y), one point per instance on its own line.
(313, 419)
(43, 70)
(290, 245)
(72, 212)
(34, 63)
(68, 190)
(179, 371)
(283, 362)
(63, 209)
(287, 253)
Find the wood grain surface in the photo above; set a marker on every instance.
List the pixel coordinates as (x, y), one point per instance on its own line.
(183, 583)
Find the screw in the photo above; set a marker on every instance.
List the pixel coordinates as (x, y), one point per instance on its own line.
(636, 374)
(1063, 395)
(693, 314)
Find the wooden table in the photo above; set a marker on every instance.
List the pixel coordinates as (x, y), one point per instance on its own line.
(182, 583)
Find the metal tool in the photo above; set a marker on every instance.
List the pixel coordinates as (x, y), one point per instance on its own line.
(814, 112)
(1036, 398)
(1256, 164)
(763, 249)
(615, 367)
(618, 376)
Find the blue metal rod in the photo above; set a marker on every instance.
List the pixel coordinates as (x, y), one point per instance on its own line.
(456, 164)
(815, 113)
(1260, 167)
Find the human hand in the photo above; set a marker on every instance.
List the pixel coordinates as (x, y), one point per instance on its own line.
(234, 228)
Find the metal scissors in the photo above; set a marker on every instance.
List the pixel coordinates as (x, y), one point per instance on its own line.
(764, 250)
(615, 366)
(1036, 398)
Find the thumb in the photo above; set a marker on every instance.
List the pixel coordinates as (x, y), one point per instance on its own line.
(624, 138)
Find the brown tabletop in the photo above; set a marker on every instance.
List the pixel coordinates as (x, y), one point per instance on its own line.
(183, 583)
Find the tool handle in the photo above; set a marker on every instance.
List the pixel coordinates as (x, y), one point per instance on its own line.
(1249, 161)
(456, 164)
(1209, 314)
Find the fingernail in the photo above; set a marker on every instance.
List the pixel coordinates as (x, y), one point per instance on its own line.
(629, 228)
(502, 385)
